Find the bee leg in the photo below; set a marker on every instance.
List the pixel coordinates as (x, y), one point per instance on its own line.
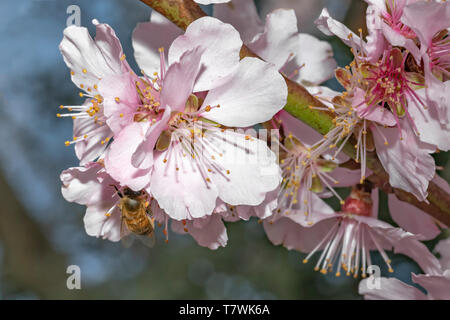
(118, 191)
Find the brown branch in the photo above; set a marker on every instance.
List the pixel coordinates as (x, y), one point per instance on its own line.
(184, 12)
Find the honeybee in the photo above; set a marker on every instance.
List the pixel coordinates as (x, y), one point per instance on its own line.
(136, 217)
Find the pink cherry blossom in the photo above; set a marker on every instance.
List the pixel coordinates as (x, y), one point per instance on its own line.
(385, 91)
(434, 51)
(301, 57)
(89, 61)
(389, 14)
(346, 238)
(203, 86)
(91, 186)
(307, 174)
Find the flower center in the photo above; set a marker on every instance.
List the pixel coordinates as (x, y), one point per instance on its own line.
(303, 173)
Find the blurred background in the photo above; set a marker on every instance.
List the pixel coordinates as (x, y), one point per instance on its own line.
(41, 234)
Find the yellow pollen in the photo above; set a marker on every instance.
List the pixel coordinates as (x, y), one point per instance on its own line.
(67, 143)
(72, 73)
(165, 160)
(123, 57)
(117, 99)
(161, 49)
(81, 94)
(208, 108)
(58, 115)
(121, 115)
(84, 70)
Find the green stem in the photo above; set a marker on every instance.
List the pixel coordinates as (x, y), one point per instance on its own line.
(183, 12)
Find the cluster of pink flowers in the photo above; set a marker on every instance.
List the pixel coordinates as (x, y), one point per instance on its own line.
(179, 133)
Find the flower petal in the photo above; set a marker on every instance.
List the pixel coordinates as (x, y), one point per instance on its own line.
(221, 57)
(412, 219)
(428, 124)
(426, 19)
(212, 234)
(437, 286)
(408, 162)
(292, 235)
(253, 95)
(376, 42)
(182, 193)
(417, 251)
(118, 158)
(330, 27)
(97, 224)
(241, 14)
(300, 56)
(180, 78)
(88, 59)
(80, 184)
(249, 168)
(120, 100)
(437, 94)
(148, 37)
(403, 242)
(389, 289)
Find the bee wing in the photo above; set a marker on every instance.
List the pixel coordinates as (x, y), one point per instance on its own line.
(127, 241)
(148, 240)
(126, 236)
